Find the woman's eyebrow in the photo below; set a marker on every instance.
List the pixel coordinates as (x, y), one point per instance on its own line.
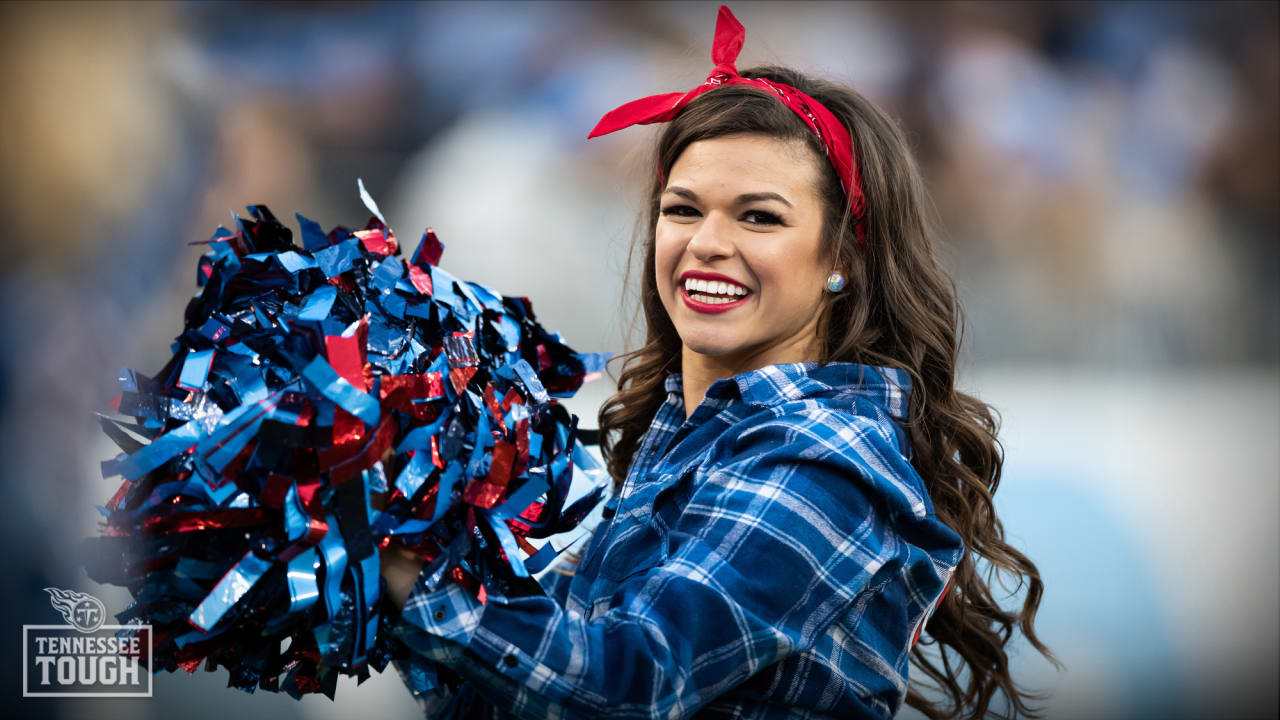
(753, 197)
(740, 200)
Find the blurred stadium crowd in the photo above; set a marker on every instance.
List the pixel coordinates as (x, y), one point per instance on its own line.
(1107, 171)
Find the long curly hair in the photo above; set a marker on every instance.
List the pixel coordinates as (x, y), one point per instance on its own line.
(899, 309)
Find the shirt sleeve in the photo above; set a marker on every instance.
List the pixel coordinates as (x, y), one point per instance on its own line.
(556, 580)
(771, 548)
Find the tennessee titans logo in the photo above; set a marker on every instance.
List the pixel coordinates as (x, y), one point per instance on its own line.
(83, 611)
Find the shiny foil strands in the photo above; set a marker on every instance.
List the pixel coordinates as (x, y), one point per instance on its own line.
(322, 402)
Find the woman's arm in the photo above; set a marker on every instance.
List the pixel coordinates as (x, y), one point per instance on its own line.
(771, 549)
(401, 567)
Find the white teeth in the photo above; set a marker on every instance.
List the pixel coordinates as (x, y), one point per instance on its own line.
(711, 299)
(714, 287)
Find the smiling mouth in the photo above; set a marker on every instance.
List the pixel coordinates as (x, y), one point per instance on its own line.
(714, 292)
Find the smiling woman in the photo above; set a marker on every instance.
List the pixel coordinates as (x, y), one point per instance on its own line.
(802, 495)
(742, 212)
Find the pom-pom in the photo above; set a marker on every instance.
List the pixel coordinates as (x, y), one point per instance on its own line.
(322, 402)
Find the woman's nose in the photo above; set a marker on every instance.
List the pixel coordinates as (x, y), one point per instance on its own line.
(711, 239)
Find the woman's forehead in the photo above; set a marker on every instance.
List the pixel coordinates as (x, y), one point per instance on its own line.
(742, 160)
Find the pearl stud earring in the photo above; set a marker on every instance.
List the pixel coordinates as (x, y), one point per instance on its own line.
(835, 282)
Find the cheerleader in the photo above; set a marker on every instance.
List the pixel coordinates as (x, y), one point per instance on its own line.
(802, 494)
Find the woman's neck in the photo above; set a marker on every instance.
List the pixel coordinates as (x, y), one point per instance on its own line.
(699, 371)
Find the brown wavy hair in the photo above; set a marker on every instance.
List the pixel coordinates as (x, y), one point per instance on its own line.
(898, 309)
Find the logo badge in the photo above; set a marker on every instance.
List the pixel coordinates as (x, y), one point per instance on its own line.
(83, 611)
(85, 657)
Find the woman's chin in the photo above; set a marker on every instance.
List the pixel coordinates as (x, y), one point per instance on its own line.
(714, 345)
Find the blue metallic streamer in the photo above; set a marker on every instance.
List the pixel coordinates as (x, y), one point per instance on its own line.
(508, 542)
(386, 273)
(367, 199)
(367, 583)
(313, 236)
(522, 498)
(419, 438)
(444, 496)
(303, 590)
(222, 446)
(415, 473)
(333, 555)
(294, 263)
(161, 450)
(195, 370)
(339, 258)
(329, 383)
(442, 284)
(542, 559)
(318, 304)
(244, 378)
(215, 329)
(229, 590)
(297, 523)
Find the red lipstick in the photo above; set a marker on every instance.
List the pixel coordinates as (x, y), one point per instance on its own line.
(710, 308)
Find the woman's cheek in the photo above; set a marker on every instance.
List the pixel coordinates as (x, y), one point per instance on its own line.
(666, 258)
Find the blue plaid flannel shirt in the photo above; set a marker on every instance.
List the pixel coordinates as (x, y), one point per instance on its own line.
(771, 556)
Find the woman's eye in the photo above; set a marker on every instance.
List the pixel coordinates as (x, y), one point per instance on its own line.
(680, 211)
(760, 217)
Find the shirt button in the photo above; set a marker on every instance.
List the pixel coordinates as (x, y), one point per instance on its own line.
(439, 614)
(510, 661)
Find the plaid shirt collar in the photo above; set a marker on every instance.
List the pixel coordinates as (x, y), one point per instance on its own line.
(776, 384)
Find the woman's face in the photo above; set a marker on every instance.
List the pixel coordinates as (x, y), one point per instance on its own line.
(737, 251)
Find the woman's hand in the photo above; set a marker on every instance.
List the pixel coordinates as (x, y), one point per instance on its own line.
(400, 568)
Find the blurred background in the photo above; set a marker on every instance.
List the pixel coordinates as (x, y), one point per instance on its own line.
(1109, 175)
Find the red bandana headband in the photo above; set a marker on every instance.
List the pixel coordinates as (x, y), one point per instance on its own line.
(730, 36)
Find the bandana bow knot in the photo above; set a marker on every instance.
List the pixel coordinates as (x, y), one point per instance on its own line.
(729, 38)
